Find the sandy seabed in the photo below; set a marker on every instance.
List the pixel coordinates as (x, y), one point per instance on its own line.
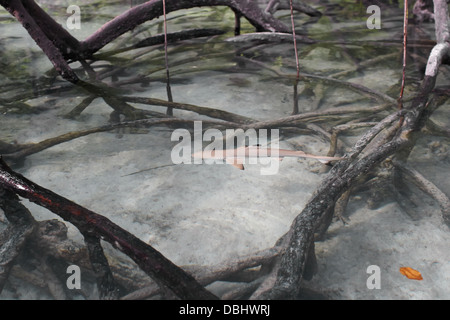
(207, 214)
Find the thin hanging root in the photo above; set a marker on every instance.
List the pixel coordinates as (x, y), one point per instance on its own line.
(169, 111)
(297, 65)
(428, 187)
(405, 38)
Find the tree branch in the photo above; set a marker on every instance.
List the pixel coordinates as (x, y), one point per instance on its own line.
(152, 9)
(163, 271)
(284, 280)
(55, 56)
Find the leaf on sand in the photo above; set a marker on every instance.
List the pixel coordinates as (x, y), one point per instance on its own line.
(410, 273)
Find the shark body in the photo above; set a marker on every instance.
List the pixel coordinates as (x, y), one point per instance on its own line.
(236, 157)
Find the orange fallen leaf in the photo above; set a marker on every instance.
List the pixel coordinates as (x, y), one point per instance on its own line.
(410, 273)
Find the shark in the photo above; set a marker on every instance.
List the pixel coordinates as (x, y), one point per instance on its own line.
(236, 157)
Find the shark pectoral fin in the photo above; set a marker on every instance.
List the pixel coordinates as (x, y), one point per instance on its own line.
(235, 163)
(240, 166)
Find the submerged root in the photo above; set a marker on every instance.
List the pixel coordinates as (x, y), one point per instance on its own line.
(378, 158)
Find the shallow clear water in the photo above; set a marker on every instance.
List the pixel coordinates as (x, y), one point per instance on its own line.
(208, 214)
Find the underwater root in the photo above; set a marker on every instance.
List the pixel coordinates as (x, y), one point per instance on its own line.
(274, 273)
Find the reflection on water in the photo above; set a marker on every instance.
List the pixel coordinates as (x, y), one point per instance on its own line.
(208, 214)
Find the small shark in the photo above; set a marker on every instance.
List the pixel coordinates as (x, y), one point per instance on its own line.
(236, 157)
